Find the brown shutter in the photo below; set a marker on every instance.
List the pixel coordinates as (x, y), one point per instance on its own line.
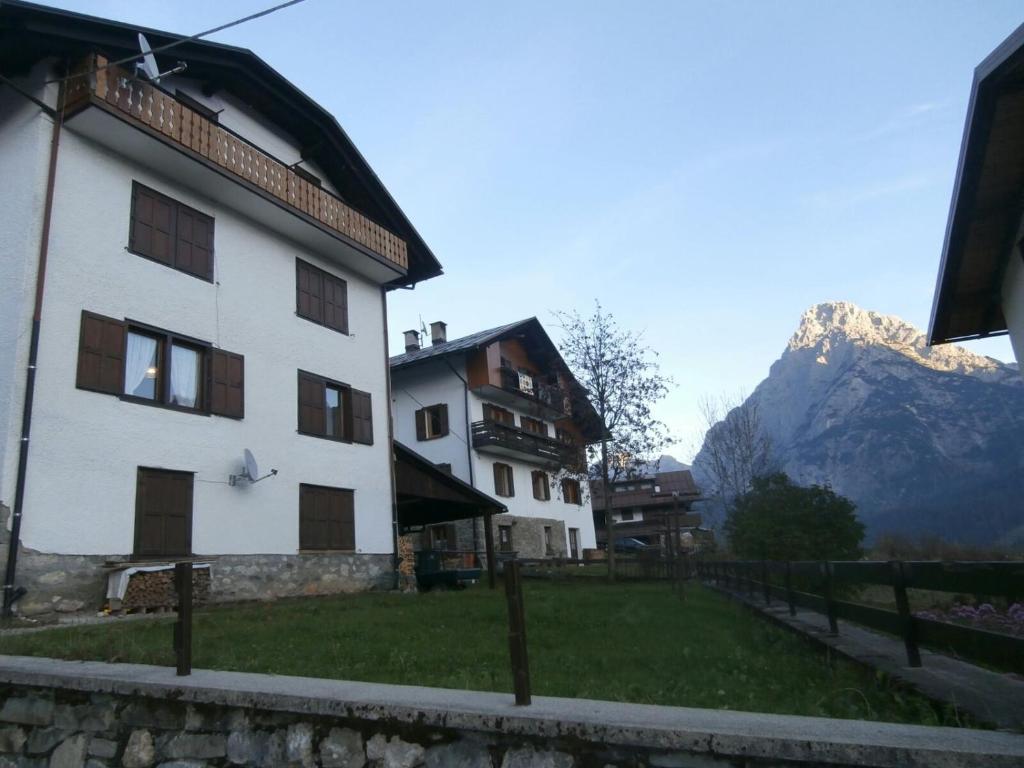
(499, 480)
(312, 528)
(163, 513)
(193, 251)
(421, 424)
(153, 227)
(444, 419)
(511, 481)
(335, 303)
(345, 510)
(362, 417)
(101, 344)
(227, 384)
(309, 291)
(312, 405)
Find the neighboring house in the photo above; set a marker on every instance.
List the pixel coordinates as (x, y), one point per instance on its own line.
(500, 410)
(188, 270)
(649, 508)
(980, 289)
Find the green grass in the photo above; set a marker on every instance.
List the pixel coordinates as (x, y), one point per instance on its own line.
(627, 642)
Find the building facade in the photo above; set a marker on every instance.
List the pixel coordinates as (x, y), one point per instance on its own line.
(652, 509)
(500, 410)
(184, 279)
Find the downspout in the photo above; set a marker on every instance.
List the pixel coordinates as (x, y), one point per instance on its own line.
(469, 437)
(391, 442)
(11, 595)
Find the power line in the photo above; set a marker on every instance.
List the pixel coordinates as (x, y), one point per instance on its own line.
(173, 44)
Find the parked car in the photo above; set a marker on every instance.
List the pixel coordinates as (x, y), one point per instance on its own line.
(632, 546)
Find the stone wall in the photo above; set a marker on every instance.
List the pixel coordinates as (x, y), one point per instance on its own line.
(528, 535)
(67, 583)
(58, 714)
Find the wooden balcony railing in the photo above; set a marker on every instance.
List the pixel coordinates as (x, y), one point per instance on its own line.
(548, 395)
(495, 434)
(146, 103)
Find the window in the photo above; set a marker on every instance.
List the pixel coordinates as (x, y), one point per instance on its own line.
(503, 481)
(144, 364)
(541, 489)
(574, 543)
(334, 410)
(499, 415)
(626, 516)
(163, 513)
(321, 297)
(549, 546)
(443, 537)
(534, 426)
(505, 538)
(170, 232)
(326, 518)
(565, 436)
(432, 422)
(571, 491)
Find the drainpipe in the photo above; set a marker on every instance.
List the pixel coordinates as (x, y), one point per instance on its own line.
(391, 442)
(11, 595)
(469, 438)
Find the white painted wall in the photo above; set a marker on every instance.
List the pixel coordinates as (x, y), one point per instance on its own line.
(1013, 304)
(86, 446)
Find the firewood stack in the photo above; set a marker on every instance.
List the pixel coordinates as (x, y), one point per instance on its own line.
(155, 589)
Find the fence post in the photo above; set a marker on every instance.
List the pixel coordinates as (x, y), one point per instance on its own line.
(830, 605)
(899, 587)
(790, 595)
(517, 633)
(764, 583)
(183, 627)
(748, 568)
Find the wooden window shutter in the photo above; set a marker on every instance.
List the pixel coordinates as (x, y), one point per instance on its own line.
(335, 303)
(421, 424)
(309, 291)
(345, 506)
(101, 344)
(511, 480)
(194, 243)
(362, 417)
(227, 384)
(444, 419)
(309, 521)
(153, 225)
(312, 405)
(499, 480)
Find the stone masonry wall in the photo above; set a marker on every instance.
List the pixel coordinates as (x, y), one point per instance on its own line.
(528, 535)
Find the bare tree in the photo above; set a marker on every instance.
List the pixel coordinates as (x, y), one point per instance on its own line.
(622, 381)
(736, 447)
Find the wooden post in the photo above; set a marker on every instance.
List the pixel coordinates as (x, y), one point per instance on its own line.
(748, 567)
(489, 549)
(183, 627)
(764, 583)
(517, 633)
(790, 595)
(899, 587)
(830, 606)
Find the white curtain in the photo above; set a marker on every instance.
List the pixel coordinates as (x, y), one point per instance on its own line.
(141, 358)
(184, 376)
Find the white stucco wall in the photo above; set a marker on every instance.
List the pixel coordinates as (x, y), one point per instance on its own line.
(86, 446)
(1013, 304)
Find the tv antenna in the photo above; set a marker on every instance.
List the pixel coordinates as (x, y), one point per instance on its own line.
(148, 68)
(250, 470)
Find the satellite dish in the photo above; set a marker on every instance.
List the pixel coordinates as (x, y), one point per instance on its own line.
(148, 68)
(250, 470)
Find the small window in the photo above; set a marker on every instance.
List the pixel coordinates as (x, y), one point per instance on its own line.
(170, 232)
(321, 297)
(626, 516)
(432, 422)
(326, 518)
(163, 513)
(162, 368)
(549, 544)
(541, 488)
(443, 537)
(499, 415)
(505, 538)
(503, 480)
(334, 410)
(534, 426)
(571, 491)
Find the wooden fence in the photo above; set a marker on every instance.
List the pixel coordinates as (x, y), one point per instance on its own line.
(826, 586)
(627, 567)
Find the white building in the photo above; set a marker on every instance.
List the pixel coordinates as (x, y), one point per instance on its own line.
(188, 270)
(980, 288)
(500, 409)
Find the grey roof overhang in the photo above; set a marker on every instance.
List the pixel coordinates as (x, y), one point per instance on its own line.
(29, 32)
(987, 201)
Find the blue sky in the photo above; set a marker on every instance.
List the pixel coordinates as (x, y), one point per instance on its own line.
(708, 171)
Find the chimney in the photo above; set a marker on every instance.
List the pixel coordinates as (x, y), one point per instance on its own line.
(412, 341)
(438, 333)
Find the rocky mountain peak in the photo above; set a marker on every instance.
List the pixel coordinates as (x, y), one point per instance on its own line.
(830, 324)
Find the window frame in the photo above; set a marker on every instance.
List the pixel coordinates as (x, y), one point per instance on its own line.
(509, 489)
(545, 486)
(424, 418)
(570, 483)
(347, 431)
(165, 342)
(324, 277)
(532, 426)
(176, 207)
(505, 545)
(314, 487)
(507, 417)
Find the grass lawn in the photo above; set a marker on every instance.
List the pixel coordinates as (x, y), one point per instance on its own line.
(627, 642)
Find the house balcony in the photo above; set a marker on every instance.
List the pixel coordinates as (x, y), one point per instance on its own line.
(138, 120)
(545, 401)
(506, 440)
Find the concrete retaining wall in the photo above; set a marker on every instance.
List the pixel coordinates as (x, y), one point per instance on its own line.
(91, 715)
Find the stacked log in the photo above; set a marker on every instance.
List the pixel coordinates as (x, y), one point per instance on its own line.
(155, 589)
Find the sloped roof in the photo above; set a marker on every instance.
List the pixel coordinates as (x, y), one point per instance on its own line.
(465, 344)
(30, 32)
(679, 481)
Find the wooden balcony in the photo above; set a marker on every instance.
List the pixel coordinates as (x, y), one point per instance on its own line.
(159, 113)
(507, 440)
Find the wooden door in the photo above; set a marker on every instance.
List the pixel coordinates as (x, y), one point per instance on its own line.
(163, 513)
(574, 543)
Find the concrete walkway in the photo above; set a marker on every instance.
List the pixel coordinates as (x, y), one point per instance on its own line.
(991, 697)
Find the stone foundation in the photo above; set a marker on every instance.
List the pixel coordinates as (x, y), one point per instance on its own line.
(528, 535)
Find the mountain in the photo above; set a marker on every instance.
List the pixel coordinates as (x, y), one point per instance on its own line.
(665, 463)
(923, 439)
